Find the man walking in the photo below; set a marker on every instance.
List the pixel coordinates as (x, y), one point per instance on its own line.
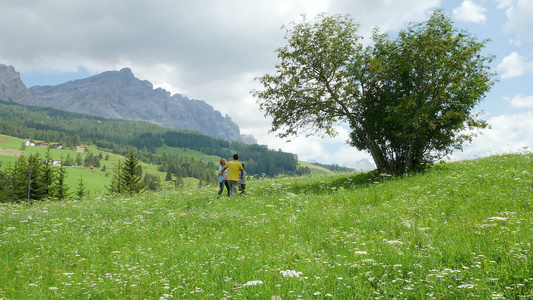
(234, 168)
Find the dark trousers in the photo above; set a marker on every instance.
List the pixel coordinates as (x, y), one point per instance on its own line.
(222, 184)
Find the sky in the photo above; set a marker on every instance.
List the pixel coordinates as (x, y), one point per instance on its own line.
(212, 50)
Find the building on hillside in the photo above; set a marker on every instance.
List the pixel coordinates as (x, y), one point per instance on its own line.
(53, 162)
(28, 143)
(56, 146)
(79, 149)
(42, 144)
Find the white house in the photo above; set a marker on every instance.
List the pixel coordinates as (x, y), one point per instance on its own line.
(28, 143)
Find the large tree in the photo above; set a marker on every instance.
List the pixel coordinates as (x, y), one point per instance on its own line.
(407, 101)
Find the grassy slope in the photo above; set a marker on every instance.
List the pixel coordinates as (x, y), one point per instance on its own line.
(183, 152)
(315, 169)
(215, 159)
(95, 180)
(462, 230)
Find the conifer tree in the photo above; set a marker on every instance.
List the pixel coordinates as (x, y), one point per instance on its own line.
(5, 188)
(69, 161)
(179, 181)
(127, 176)
(81, 192)
(132, 174)
(152, 182)
(37, 189)
(61, 191)
(117, 185)
(47, 176)
(18, 179)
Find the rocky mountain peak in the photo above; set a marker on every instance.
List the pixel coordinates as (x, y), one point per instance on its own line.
(11, 86)
(121, 95)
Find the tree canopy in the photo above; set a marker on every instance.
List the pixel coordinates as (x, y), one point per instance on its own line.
(406, 101)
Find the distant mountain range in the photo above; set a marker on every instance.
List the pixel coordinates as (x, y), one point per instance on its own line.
(120, 95)
(360, 165)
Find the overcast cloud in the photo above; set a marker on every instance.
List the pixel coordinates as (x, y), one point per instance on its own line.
(213, 50)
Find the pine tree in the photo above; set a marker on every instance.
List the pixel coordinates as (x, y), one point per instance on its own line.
(81, 192)
(169, 175)
(69, 161)
(17, 175)
(117, 184)
(47, 176)
(132, 174)
(4, 185)
(152, 182)
(179, 181)
(37, 189)
(62, 188)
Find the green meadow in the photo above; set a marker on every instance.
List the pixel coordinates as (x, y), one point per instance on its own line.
(95, 179)
(462, 230)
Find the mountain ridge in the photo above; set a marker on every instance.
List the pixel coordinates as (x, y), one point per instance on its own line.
(120, 95)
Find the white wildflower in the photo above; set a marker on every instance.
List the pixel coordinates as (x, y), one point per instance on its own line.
(291, 273)
(392, 242)
(360, 252)
(467, 286)
(253, 282)
(498, 218)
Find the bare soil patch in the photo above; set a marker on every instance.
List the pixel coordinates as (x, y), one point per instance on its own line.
(10, 152)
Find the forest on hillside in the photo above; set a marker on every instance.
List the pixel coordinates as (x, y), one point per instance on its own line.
(121, 136)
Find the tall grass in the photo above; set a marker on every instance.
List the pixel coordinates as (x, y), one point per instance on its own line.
(460, 230)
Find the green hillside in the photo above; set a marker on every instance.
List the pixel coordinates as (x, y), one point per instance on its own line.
(461, 230)
(315, 169)
(95, 179)
(148, 140)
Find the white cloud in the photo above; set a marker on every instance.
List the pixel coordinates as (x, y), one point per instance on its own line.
(509, 133)
(504, 3)
(469, 11)
(514, 65)
(213, 50)
(519, 14)
(521, 101)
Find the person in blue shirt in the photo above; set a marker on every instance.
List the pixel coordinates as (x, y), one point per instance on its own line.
(222, 180)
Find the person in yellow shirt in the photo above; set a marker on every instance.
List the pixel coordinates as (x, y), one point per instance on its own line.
(235, 168)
